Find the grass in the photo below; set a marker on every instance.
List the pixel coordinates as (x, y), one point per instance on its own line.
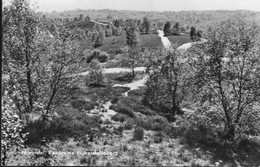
(182, 39)
(149, 41)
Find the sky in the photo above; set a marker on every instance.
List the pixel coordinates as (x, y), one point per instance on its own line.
(148, 5)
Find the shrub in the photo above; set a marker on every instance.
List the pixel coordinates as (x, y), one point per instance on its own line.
(158, 137)
(157, 123)
(103, 57)
(78, 104)
(138, 133)
(125, 78)
(129, 124)
(123, 110)
(73, 124)
(100, 55)
(119, 117)
(114, 100)
(142, 122)
(119, 130)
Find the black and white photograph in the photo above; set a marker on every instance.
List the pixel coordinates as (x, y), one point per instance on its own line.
(130, 83)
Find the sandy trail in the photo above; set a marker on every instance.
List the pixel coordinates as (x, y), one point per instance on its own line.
(113, 71)
(166, 43)
(134, 85)
(108, 114)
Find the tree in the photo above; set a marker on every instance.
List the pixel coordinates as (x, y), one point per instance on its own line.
(167, 84)
(108, 31)
(227, 68)
(95, 76)
(176, 29)
(192, 33)
(146, 24)
(166, 28)
(87, 18)
(81, 17)
(99, 39)
(35, 62)
(132, 41)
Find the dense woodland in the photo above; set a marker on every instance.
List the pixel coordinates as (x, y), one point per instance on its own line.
(102, 80)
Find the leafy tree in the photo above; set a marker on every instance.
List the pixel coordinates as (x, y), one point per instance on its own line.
(146, 25)
(166, 28)
(176, 29)
(35, 62)
(95, 76)
(87, 18)
(192, 33)
(108, 31)
(132, 41)
(99, 39)
(227, 68)
(81, 17)
(167, 84)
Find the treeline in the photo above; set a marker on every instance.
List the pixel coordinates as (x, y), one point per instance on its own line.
(186, 18)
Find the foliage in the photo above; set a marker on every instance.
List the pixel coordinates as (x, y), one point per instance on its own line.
(123, 110)
(146, 25)
(132, 41)
(227, 84)
(176, 29)
(97, 54)
(192, 33)
(138, 133)
(167, 85)
(99, 40)
(11, 130)
(95, 76)
(129, 124)
(157, 123)
(158, 137)
(119, 117)
(167, 28)
(35, 61)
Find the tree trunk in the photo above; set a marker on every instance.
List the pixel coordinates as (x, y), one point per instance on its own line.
(29, 80)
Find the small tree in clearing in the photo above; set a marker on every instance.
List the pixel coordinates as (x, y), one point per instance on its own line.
(192, 33)
(146, 25)
(95, 76)
(227, 68)
(167, 28)
(132, 41)
(99, 39)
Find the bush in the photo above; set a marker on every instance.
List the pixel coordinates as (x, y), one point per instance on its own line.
(158, 123)
(119, 117)
(114, 100)
(123, 110)
(138, 133)
(125, 78)
(73, 124)
(79, 104)
(129, 124)
(158, 137)
(142, 122)
(100, 55)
